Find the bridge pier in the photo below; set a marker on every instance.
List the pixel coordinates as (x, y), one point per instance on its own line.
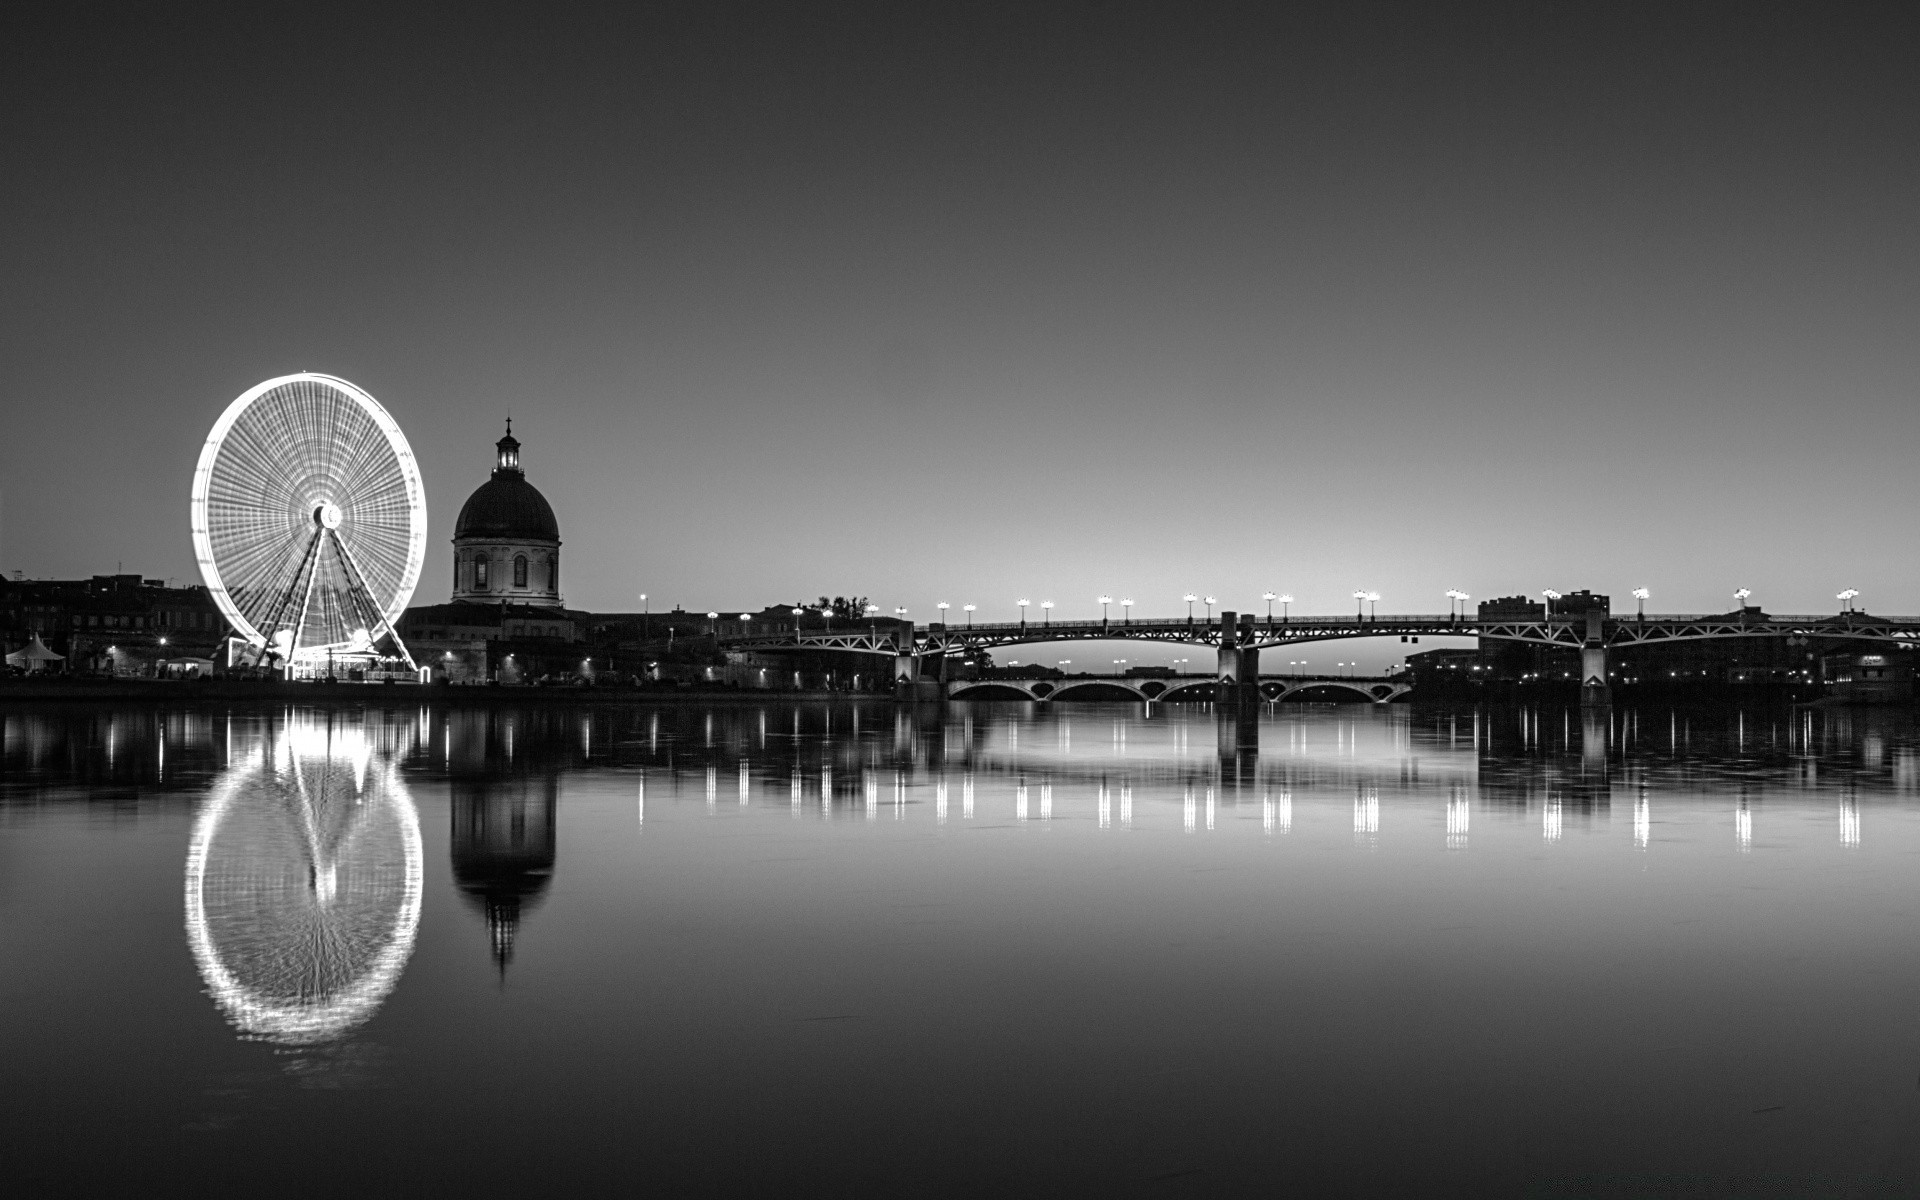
(1237, 677)
(906, 675)
(1594, 691)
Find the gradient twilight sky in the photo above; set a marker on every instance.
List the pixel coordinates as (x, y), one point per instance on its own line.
(967, 304)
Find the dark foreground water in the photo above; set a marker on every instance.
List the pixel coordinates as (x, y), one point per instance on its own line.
(1095, 949)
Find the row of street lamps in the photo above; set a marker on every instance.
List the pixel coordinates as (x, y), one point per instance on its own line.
(1365, 601)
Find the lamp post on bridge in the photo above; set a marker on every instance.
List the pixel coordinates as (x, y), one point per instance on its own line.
(1023, 602)
(943, 606)
(646, 613)
(1269, 597)
(1640, 600)
(1210, 600)
(1046, 613)
(1285, 601)
(1373, 598)
(1549, 595)
(1846, 599)
(969, 610)
(1190, 598)
(1126, 607)
(873, 628)
(1104, 601)
(1740, 598)
(1359, 606)
(797, 614)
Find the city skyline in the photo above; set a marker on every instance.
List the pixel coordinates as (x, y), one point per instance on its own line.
(976, 309)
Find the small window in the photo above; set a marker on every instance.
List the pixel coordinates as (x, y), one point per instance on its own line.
(519, 570)
(479, 572)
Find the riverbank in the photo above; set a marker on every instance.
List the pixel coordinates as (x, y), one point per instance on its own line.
(193, 692)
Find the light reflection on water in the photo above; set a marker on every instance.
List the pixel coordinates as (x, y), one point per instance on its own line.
(600, 894)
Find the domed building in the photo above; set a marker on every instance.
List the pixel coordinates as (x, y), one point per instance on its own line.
(505, 622)
(506, 544)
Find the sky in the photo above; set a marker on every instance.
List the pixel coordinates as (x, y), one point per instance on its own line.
(965, 303)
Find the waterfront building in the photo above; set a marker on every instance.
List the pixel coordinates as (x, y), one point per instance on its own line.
(1875, 675)
(505, 621)
(120, 624)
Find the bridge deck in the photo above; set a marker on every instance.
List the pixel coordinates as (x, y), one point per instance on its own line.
(1566, 631)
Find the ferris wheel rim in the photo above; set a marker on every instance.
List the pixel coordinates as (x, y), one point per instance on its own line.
(203, 475)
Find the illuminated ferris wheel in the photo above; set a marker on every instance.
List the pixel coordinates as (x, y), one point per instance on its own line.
(309, 520)
(303, 883)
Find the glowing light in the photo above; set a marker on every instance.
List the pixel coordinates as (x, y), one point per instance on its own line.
(320, 455)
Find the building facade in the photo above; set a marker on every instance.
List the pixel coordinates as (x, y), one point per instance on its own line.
(114, 624)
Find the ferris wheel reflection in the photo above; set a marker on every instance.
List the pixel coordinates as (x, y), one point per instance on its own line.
(303, 881)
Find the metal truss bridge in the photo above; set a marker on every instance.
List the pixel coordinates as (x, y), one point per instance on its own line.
(1239, 639)
(1573, 631)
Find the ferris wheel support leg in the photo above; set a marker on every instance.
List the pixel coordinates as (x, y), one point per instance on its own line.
(283, 607)
(359, 589)
(306, 597)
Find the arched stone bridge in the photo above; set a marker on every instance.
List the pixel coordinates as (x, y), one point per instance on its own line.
(1379, 689)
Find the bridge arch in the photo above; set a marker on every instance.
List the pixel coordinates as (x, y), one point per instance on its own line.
(1098, 689)
(992, 690)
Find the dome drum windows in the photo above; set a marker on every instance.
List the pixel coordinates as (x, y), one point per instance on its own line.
(480, 572)
(519, 570)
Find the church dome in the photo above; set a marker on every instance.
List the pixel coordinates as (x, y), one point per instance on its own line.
(507, 506)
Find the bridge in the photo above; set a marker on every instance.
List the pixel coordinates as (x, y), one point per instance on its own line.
(1239, 638)
(1378, 688)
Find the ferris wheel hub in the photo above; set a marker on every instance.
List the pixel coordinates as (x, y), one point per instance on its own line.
(327, 515)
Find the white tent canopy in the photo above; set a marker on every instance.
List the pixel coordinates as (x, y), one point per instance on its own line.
(33, 655)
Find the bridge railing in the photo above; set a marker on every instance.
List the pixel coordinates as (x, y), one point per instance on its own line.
(1389, 623)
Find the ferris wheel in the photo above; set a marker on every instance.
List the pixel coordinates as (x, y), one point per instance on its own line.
(303, 883)
(309, 519)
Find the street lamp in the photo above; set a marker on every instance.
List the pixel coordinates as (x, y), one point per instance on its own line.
(797, 614)
(1285, 600)
(1046, 612)
(1269, 597)
(1359, 606)
(1373, 598)
(1640, 596)
(1456, 598)
(646, 615)
(943, 606)
(1740, 597)
(1104, 601)
(1550, 596)
(1126, 607)
(1190, 598)
(1846, 599)
(969, 611)
(1210, 603)
(1023, 602)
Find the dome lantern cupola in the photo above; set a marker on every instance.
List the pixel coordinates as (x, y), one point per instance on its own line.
(509, 450)
(506, 542)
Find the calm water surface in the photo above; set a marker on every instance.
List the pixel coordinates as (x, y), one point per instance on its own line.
(1342, 950)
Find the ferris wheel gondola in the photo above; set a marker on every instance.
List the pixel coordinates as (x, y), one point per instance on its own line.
(309, 520)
